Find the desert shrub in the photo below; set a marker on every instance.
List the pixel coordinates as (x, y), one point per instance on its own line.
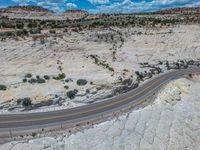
(28, 75)
(72, 94)
(66, 87)
(38, 77)
(26, 102)
(33, 134)
(3, 88)
(19, 101)
(20, 25)
(68, 80)
(81, 82)
(46, 77)
(22, 32)
(32, 81)
(87, 91)
(52, 31)
(40, 80)
(60, 77)
(111, 69)
(24, 80)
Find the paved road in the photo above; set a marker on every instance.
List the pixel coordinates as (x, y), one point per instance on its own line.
(29, 121)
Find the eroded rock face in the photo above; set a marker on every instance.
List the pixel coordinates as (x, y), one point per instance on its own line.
(171, 122)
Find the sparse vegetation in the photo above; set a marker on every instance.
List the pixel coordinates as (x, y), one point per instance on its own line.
(40, 80)
(28, 75)
(101, 63)
(25, 102)
(33, 80)
(60, 77)
(34, 26)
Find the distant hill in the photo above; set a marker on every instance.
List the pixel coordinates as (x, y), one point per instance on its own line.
(25, 8)
(36, 12)
(76, 14)
(76, 11)
(180, 11)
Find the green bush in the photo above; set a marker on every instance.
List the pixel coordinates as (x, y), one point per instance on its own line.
(60, 77)
(38, 77)
(24, 80)
(81, 82)
(40, 80)
(32, 81)
(26, 102)
(66, 87)
(46, 77)
(72, 94)
(3, 88)
(33, 134)
(67, 80)
(28, 75)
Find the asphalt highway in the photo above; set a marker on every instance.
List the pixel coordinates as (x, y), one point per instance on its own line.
(26, 121)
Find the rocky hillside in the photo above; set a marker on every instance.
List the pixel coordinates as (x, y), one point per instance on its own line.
(25, 8)
(75, 14)
(180, 11)
(36, 12)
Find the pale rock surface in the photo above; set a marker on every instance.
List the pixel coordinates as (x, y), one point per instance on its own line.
(70, 51)
(170, 122)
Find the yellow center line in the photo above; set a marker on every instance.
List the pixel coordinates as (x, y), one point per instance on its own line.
(55, 117)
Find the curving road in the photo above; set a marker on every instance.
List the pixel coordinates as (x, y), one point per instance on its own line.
(11, 123)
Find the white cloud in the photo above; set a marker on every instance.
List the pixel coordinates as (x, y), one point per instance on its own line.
(99, 1)
(125, 6)
(71, 6)
(108, 6)
(21, 1)
(55, 5)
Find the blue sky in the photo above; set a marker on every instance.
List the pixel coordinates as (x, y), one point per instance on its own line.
(104, 6)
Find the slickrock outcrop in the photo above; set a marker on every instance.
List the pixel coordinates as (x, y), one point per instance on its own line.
(171, 122)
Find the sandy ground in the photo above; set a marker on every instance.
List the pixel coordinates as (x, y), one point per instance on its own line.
(68, 53)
